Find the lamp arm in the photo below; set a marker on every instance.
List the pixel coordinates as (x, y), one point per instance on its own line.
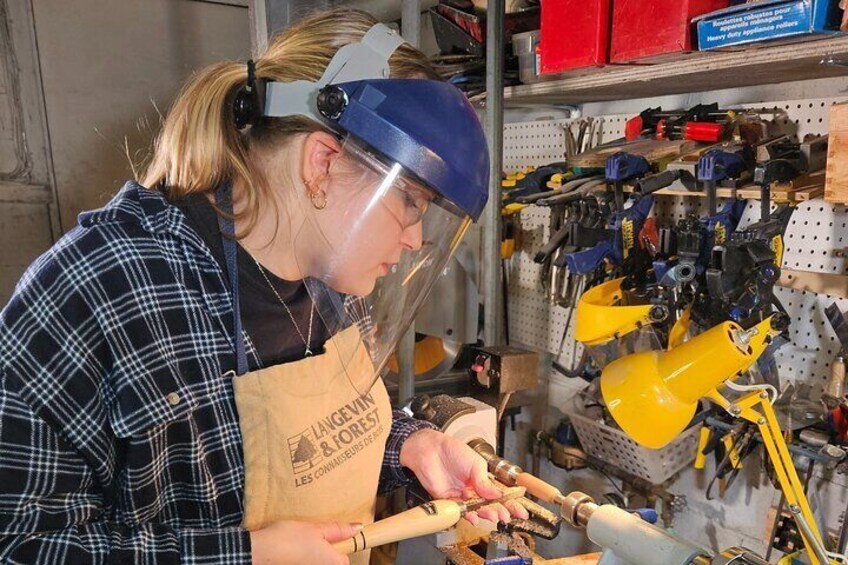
(791, 485)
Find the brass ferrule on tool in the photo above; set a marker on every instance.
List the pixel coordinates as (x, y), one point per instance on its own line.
(503, 469)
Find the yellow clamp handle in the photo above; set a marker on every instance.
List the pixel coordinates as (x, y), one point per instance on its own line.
(729, 442)
(703, 441)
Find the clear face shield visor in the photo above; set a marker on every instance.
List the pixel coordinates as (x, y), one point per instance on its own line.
(372, 241)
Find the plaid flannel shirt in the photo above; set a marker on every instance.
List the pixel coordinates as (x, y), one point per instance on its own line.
(119, 437)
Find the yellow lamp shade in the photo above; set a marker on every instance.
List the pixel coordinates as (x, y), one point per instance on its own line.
(654, 395)
(599, 320)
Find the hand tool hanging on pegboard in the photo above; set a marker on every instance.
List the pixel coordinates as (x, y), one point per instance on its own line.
(703, 122)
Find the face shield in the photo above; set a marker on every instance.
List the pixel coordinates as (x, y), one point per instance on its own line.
(373, 248)
(408, 174)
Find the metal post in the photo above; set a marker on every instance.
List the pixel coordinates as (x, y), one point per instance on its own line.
(410, 22)
(268, 17)
(494, 133)
(410, 30)
(258, 12)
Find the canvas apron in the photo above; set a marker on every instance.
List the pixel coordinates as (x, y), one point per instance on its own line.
(313, 444)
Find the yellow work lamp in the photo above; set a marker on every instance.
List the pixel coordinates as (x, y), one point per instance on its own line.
(653, 396)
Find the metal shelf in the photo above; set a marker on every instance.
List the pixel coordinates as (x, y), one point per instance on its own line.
(696, 72)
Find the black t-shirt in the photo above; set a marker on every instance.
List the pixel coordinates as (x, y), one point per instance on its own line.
(264, 319)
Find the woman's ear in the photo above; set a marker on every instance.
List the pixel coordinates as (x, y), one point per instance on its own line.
(320, 150)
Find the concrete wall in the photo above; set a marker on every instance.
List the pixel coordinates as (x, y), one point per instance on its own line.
(96, 75)
(109, 71)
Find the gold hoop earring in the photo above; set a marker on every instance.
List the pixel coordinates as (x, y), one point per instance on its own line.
(318, 199)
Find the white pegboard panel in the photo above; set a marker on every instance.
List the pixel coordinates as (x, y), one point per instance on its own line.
(533, 320)
(814, 246)
(812, 343)
(531, 144)
(802, 117)
(540, 142)
(815, 238)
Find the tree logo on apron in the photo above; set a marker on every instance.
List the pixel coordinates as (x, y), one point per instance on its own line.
(334, 439)
(304, 454)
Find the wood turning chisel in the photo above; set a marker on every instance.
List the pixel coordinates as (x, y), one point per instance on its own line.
(428, 518)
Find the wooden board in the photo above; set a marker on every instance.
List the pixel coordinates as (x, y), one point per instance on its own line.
(836, 186)
(820, 283)
(463, 555)
(809, 193)
(805, 187)
(652, 150)
(587, 559)
(701, 71)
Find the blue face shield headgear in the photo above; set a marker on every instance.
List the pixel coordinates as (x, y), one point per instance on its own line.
(409, 176)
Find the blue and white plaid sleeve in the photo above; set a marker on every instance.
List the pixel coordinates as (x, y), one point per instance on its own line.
(52, 510)
(60, 464)
(392, 474)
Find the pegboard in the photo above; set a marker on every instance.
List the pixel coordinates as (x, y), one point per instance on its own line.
(531, 144)
(533, 320)
(815, 238)
(536, 143)
(814, 242)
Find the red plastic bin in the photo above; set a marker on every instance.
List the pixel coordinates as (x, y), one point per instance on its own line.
(656, 29)
(574, 34)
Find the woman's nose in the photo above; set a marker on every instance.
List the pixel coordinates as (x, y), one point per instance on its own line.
(412, 237)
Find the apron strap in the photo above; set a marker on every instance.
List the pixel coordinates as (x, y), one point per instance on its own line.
(224, 201)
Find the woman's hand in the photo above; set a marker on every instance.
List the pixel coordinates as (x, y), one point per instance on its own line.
(448, 468)
(290, 543)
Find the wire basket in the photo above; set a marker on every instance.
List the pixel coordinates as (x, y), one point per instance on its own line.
(614, 447)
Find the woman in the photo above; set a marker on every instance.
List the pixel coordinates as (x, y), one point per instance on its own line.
(189, 375)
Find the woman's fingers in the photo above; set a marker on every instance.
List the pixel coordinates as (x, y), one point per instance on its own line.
(473, 518)
(517, 510)
(494, 513)
(482, 484)
(488, 513)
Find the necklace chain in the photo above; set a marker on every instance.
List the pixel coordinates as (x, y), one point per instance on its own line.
(307, 340)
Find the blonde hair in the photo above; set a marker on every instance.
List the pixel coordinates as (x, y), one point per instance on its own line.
(199, 146)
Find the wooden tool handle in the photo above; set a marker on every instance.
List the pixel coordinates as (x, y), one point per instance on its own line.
(539, 488)
(426, 519)
(837, 378)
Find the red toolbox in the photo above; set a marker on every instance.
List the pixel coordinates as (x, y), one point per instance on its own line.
(656, 29)
(574, 34)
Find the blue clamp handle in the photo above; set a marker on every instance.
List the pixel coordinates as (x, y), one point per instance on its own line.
(661, 267)
(729, 217)
(585, 262)
(649, 515)
(623, 166)
(716, 165)
(635, 216)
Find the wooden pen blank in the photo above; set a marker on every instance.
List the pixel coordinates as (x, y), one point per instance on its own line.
(538, 488)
